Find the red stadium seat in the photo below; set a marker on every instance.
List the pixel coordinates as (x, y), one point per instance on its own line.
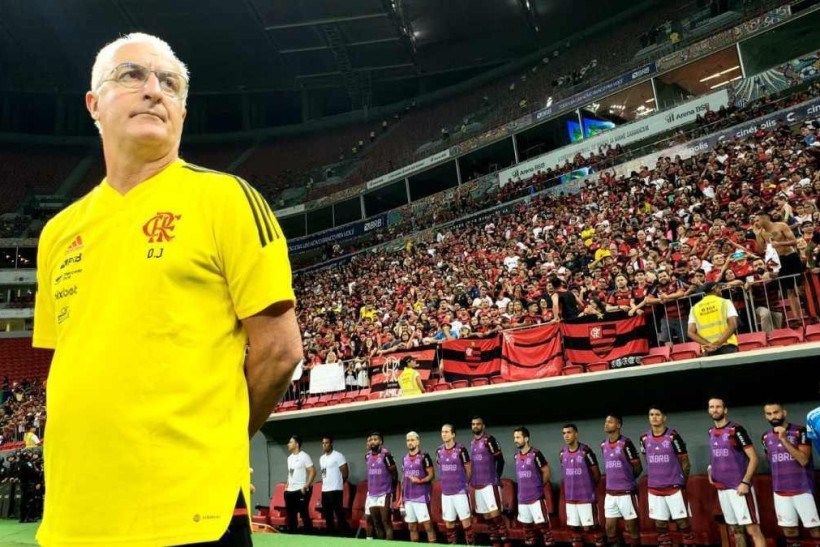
(657, 355)
(441, 386)
(569, 369)
(785, 337)
(476, 382)
(688, 350)
(598, 366)
(458, 384)
(752, 340)
(277, 515)
(357, 510)
(360, 398)
(812, 333)
(315, 505)
(498, 380)
(347, 501)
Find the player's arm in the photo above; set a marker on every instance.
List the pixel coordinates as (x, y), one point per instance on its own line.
(542, 464)
(683, 456)
(498, 455)
(468, 465)
(419, 383)
(430, 469)
(634, 458)
(390, 463)
(345, 471)
(745, 443)
(801, 452)
(252, 255)
(592, 465)
(311, 474)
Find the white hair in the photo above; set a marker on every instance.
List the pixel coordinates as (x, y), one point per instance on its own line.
(103, 64)
(414, 435)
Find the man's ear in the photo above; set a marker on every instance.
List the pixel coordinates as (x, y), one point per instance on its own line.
(91, 104)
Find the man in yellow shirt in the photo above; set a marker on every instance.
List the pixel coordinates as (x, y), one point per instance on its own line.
(713, 322)
(410, 379)
(150, 288)
(31, 438)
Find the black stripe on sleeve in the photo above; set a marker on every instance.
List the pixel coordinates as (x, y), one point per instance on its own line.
(259, 229)
(260, 205)
(272, 218)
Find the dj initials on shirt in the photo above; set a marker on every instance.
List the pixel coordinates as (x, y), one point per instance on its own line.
(158, 230)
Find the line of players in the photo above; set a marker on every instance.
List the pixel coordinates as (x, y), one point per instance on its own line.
(733, 464)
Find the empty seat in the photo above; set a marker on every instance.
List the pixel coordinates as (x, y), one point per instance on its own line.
(785, 337)
(460, 384)
(476, 382)
(657, 355)
(498, 380)
(688, 350)
(752, 340)
(597, 366)
(812, 333)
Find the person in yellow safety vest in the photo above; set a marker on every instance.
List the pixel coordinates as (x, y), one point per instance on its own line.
(410, 379)
(713, 322)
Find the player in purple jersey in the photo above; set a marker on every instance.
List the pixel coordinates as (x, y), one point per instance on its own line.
(732, 465)
(455, 469)
(788, 451)
(381, 484)
(488, 465)
(623, 465)
(416, 486)
(667, 468)
(581, 476)
(532, 471)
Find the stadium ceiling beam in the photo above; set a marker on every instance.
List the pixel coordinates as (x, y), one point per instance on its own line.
(349, 44)
(360, 69)
(328, 21)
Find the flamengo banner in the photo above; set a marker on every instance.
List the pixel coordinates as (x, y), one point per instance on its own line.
(617, 342)
(327, 378)
(385, 369)
(466, 359)
(532, 353)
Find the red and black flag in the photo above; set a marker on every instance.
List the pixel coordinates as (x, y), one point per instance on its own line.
(587, 341)
(385, 369)
(532, 353)
(467, 359)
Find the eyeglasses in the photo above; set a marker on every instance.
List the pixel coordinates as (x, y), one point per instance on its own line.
(134, 76)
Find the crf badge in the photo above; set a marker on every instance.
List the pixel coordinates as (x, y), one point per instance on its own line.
(602, 339)
(159, 227)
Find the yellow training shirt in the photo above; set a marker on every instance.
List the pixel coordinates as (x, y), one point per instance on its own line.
(141, 295)
(407, 382)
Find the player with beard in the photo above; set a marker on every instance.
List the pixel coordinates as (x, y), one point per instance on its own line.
(733, 464)
(667, 466)
(454, 461)
(789, 453)
(532, 471)
(488, 465)
(623, 465)
(416, 488)
(381, 484)
(581, 475)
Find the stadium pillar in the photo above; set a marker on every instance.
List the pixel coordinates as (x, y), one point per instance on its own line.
(407, 188)
(740, 60)
(515, 149)
(654, 94)
(458, 167)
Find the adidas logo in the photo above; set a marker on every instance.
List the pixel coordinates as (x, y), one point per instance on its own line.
(76, 245)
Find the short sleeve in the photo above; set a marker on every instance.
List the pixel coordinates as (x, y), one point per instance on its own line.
(307, 460)
(253, 253)
(45, 322)
(342, 461)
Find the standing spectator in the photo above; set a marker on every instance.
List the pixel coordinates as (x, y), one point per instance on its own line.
(409, 378)
(300, 479)
(732, 466)
(334, 476)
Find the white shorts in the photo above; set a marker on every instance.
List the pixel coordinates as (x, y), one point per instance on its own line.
(580, 514)
(737, 509)
(455, 507)
(486, 499)
(534, 512)
(671, 507)
(377, 501)
(416, 511)
(621, 506)
(788, 508)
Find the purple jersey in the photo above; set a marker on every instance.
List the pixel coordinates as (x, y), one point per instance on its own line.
(528, 474)
(579, 485)
(729, 459)
(452, 463)
(788, 476)
(416, 466)
(662, 463)
(379, 477)
(618, 459)
(485, 452)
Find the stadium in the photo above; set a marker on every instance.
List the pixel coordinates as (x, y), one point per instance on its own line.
(567, 222)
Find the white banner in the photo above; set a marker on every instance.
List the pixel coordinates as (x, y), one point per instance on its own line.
(624, 134)
(292, 210)
(327, 378)
(409, 169)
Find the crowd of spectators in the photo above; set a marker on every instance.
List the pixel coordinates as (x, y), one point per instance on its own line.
(626, 243)
(23, 407)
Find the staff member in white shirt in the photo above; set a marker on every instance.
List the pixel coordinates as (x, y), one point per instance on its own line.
(300, 478)
(334, 475)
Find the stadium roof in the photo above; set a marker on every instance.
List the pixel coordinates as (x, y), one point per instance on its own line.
(48, 46)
